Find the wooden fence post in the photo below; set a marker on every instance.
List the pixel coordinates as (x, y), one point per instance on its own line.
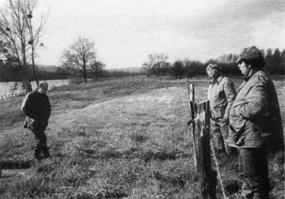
(191, 93)
(200, 120)
(207, 176)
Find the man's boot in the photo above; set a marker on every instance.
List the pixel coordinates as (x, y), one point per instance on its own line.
(258, 195)
(246, 190)
(45, 152)
(37, 152)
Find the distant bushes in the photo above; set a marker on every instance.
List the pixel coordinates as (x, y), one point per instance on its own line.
(11, 72)
(43, 74)
(275, 65)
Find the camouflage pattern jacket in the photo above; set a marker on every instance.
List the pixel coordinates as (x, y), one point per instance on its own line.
(255, 119)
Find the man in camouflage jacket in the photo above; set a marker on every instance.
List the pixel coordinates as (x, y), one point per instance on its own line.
(255, 123)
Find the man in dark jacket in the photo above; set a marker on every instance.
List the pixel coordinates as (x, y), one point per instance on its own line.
(256, 123)
(37, 108)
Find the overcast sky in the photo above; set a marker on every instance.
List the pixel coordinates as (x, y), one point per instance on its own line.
(126, 31)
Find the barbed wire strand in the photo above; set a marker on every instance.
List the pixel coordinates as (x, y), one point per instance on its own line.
(214, 155)
(218, 170)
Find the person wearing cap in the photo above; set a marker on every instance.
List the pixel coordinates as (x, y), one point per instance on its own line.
(221, 94)
(255, 123)
(37, 108)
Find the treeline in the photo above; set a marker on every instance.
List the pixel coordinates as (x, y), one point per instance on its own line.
(274, 59)
(188, 68)
(275, 65)
(157, 65)
(12, 72)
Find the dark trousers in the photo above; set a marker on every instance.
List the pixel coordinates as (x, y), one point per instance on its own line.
(255, 173)
(220, 135)
(41, 149)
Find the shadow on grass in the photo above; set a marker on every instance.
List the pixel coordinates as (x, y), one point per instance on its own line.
(139, 138)
(16, 164)
(103, 194)
(160, 155)
(176, 181)
(146, 155)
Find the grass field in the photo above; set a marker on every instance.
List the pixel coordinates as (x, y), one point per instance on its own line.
(114, 140)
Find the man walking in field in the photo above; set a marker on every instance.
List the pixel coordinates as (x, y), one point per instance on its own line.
(255, 123)
(221, 94)
(37, 108)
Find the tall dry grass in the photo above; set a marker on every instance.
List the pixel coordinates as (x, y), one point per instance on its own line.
(114, 140)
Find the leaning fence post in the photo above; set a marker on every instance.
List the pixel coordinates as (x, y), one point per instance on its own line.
(207, 176)
(191, 93)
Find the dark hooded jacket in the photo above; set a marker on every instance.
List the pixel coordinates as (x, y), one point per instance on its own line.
(37, 108)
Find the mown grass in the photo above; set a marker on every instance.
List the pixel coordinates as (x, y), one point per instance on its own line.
(114, 140)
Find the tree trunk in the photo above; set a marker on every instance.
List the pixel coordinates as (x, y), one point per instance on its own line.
(84, 71)
(28, 85)
(25, 75)
(85, 75)
(34, 68)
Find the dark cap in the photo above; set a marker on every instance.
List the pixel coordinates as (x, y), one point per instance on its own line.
(249, 53)
(213, 66)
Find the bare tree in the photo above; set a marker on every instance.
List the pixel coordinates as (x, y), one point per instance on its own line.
(79, 58)
(156, 62)
(146, 69)
(19, 37)
(35, 35)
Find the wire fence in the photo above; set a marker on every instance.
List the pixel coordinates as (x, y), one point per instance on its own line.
(203, 148)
